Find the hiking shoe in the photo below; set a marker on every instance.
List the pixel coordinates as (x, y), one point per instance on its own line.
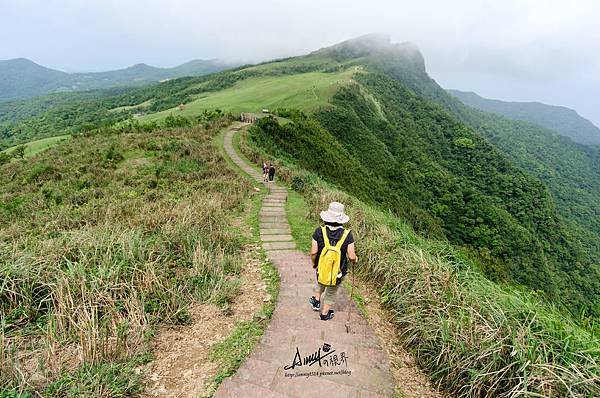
(327, 316)
(314, 303)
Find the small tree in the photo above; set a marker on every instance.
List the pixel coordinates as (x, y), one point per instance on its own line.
(19, 152)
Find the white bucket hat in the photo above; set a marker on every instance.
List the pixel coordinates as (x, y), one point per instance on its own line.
(335, 214)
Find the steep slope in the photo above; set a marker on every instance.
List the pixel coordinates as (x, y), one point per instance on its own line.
(401, 152)
(21, 78)
(568, 169)
(563, 120)
(474, 337)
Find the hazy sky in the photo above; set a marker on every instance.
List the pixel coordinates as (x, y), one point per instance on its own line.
(546, 50)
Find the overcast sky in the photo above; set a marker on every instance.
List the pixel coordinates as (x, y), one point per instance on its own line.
(546, 50)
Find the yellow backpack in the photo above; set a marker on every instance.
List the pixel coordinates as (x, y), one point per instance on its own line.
(330, 260)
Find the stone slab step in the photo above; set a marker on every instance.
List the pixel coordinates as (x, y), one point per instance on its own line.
(279, 245)
(257, 372)
(273, 219)
(266, 212)
(276, 238)
(301, 387)
(274, 231)
(272, 225)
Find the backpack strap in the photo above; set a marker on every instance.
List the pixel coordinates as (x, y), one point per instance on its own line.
(344, 236)
(340, 242)
(325, 237)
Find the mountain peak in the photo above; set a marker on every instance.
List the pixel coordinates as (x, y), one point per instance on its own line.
(358, 47)
(375, 44)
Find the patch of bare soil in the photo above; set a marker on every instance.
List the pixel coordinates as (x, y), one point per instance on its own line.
(182, 365)
(410, 381)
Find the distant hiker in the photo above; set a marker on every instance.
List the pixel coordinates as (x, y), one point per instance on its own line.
(271, 172)
(332, 247)
(265, 170)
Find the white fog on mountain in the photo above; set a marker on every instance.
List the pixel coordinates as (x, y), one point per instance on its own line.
(520, 50)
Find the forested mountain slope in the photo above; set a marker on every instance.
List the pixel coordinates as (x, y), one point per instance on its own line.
(570, 170)
(402, 152)
(563, 120)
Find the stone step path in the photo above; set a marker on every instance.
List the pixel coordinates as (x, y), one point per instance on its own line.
(352, 364)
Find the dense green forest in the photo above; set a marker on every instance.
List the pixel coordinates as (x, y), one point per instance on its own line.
(405, 152)
(400, 152)
(569, 170)
(563, 120)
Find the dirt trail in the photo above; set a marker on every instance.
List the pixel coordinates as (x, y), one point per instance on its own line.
(182, 365)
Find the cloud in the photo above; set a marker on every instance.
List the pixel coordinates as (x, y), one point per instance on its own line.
(488, 45)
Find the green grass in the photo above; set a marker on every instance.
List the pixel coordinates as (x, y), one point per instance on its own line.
(304, 91)
(114, 379)
(302, 222)
(35, 147)
(356, 296)
(102, 240)
(144, 104)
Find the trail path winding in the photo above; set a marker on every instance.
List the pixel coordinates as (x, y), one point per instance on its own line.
(297, 330)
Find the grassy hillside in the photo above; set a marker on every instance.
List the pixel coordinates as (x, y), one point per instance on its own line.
(474, 337)
(102, 239)
(563, 120)
(24, 121)
(37, 146)
(370, 102)
(306, 91)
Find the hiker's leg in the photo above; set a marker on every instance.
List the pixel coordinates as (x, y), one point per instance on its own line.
(319, 291)
(328, 299)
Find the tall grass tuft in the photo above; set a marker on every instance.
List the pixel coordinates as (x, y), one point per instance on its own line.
(101, 239)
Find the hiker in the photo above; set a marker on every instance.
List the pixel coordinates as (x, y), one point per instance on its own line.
(265, 170)
(332, 247)
(271, 172)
